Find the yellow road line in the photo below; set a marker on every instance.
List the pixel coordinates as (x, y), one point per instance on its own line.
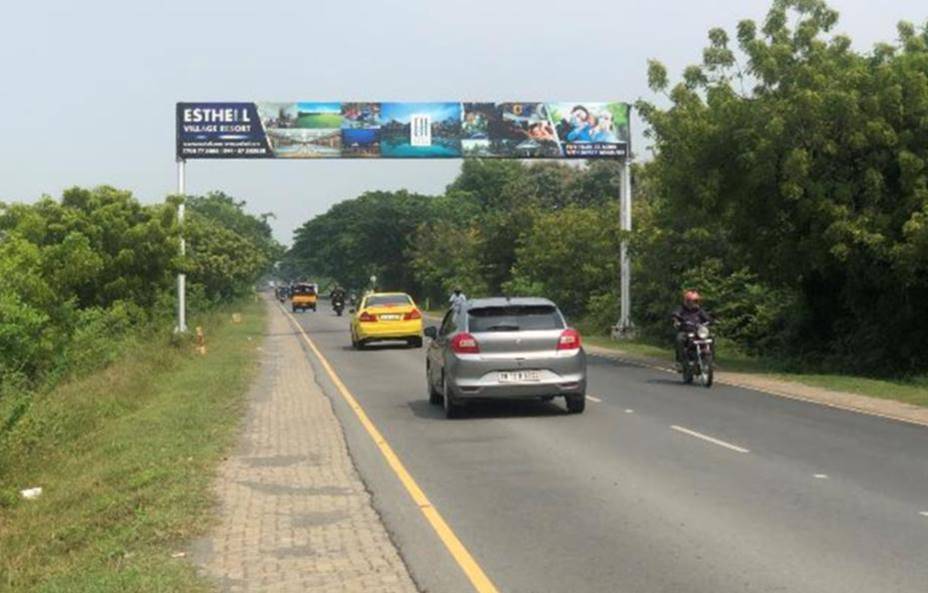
(475, 574)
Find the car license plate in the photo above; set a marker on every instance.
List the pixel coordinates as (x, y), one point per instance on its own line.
(389, 316)
(518, 377)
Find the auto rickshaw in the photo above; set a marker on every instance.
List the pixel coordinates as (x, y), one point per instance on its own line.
(303, 296)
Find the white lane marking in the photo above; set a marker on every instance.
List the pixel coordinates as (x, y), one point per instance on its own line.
(709, 439)
(594, 399)
(629, 411)
(924, 513)
(820, 476)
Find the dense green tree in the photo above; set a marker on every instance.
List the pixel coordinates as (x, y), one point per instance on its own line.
(809, 158)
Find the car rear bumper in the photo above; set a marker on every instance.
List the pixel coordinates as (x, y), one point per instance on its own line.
(471, 376)
(389, 330)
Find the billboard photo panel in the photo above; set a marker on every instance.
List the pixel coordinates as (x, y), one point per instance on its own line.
(318, 129)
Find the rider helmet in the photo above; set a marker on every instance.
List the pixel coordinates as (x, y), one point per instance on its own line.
(691, 298)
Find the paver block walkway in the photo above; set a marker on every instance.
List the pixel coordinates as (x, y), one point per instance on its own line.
(294, 514)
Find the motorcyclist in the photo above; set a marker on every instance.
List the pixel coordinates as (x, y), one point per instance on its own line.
(685, 317)
(337, 294)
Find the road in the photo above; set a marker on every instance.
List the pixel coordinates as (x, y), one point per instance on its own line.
(658, 487)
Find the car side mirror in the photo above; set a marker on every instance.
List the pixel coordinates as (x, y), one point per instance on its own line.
(352, 310)
(431, 332)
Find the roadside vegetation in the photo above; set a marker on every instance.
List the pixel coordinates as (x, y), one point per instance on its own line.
(101, 405)
(125, 457)
(788, 182)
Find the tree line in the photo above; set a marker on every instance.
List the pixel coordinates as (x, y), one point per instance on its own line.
(787, 182)
(80, 273)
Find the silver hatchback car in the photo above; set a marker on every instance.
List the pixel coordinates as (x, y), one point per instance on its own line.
(502, 348)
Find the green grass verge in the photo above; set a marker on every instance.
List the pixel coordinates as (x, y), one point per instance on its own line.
(912, 391)
(125, 457)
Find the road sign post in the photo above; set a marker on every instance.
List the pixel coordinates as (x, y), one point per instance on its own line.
(181, 277)
(624, 326)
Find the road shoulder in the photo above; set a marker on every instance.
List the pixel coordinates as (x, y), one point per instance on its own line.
(884, 408)
(294, 514)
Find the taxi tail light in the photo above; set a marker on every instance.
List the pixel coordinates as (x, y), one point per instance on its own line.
(569, 340)
(414, 314)
(366, 317)
(464, 343)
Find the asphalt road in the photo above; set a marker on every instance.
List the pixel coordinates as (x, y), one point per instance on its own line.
(633, 496)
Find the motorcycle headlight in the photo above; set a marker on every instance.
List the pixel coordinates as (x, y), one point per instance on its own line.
(702, 332)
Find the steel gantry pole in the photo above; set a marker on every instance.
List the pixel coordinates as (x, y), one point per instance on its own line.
(181, 277)
(625, 224)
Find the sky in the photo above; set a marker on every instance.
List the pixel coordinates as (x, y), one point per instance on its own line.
(88, 88)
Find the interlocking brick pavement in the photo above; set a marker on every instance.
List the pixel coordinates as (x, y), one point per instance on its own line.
(294, 514)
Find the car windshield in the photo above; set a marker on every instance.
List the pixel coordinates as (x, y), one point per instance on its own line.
(303, 290)
(388, 300)
(514, 318)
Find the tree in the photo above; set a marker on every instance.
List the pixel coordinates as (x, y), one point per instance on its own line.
(809, 158)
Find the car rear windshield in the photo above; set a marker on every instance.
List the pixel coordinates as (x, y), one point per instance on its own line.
(304, 290)
(387, 300)
(514, 318)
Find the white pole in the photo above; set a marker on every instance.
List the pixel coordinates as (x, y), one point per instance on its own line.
(625, 224)
(181, 278)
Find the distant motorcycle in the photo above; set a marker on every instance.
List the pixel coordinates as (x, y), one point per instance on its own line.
(698, 354)
(338, 304)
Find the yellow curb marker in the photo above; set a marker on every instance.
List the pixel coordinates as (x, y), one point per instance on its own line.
(475, 574)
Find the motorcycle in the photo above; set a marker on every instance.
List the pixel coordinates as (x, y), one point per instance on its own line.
(338, 304)
(698, 354)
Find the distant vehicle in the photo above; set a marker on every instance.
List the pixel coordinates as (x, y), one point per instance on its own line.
(502, 348)
(302, 297)
(383, 316)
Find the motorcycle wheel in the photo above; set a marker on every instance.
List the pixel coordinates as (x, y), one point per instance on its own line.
(687, 373)
(706, 377)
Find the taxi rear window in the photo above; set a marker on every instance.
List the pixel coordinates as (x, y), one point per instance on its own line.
(304, 290)
(387, 300)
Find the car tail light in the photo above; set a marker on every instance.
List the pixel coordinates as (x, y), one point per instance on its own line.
(569, 340)
(367, 317)
(465, 343)
(414, 314)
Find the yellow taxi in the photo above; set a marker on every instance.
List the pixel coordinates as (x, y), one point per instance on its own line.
(383, 316)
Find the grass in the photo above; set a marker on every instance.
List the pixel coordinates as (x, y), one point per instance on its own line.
(125, 457)
(320, 120)
(912, 391)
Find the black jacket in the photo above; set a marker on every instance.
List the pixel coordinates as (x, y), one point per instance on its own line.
(691, 316)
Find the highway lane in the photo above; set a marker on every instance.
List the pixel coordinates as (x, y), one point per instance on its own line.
(617, 500)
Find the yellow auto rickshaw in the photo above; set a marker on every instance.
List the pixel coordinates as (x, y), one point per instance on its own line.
(303, 296)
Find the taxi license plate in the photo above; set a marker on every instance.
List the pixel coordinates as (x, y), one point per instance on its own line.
(518, 377)
(389, 317)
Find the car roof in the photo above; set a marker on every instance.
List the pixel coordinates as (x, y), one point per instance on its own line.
(507, 301)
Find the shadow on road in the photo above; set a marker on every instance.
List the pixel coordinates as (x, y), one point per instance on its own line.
(674, 382)
(386, 346)
(483, 409)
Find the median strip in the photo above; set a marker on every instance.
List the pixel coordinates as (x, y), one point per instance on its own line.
(709, 439)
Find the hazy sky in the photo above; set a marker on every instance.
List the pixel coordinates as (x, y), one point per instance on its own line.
(88, 88)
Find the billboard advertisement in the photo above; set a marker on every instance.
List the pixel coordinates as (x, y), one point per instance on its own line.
(316, 129)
